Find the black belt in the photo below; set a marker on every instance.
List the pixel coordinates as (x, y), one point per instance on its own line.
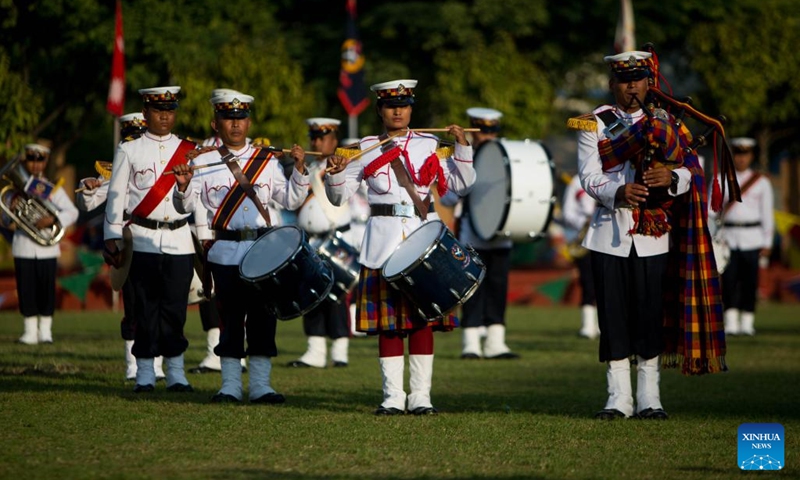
(396, 210)
(239, 235)
(342, 229)
(156, 225)
(742, 224)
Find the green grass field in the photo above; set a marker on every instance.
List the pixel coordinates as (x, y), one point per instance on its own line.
(65, 411)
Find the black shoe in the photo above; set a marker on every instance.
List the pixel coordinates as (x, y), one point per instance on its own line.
(470, 356)
(504, 356)
(388, 411)
(143, 388)
(339, 364)
(425, 411)
(270, 398)
(298, 364)
(180, 388)
(201, 369)
(224, 398)
(609, 414)
(652, 414)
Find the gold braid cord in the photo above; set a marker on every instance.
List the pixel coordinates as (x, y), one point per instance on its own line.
(103, 168)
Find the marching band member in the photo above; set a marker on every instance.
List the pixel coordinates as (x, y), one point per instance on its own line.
(399, 175)
(623, 158)
(578, 208)
(319, 219)
(94, 194)
(215, 194)
(748, 228)
(140, 198)
(35, 265)
(485, 311)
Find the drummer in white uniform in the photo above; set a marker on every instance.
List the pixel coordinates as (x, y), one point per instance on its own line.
(400, 175)
(214, 194)
(486, 309)
(319, 219)
(747, 228)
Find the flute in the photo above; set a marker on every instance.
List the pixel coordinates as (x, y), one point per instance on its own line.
(223, 162)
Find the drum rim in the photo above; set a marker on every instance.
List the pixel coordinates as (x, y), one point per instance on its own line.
(421, 258)
(303, 311)
(467, 295)
(303, 239)
(507, 205)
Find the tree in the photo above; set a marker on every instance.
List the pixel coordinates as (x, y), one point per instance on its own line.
(750, 61)
(20, 109)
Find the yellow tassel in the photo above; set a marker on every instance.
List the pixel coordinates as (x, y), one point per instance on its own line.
(445, 152)
(103, 168)
(585, 122)
(261, 142)
(346, 152)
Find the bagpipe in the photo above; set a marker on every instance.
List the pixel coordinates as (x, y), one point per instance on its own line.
(713, 134)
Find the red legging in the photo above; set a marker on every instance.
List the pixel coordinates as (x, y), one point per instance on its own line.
(420, 342)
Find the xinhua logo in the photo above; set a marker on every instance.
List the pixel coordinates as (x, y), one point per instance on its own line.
(761, 446)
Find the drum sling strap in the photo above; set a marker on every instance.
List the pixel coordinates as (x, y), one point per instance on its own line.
(749, 183)
(405, 181)
(244, 182)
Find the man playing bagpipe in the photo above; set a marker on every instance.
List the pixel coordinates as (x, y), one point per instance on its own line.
(658, 292)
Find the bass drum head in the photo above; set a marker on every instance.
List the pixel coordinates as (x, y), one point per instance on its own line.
(413, 248)
(490, 195)
(271, 251)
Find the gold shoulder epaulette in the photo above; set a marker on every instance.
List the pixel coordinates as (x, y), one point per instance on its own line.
(103, 168)
(347, 152)
(445, 152)
(130, 137)
(585, 122)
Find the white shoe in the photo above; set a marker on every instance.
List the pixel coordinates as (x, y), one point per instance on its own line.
(212, 361)
(589, 328)
(46, 329)
(620, 394)
(130, 361)
(339, 348)
(748, 319)
(392, 372)
(31, 333)
(471, 343)
(315, 355)
(158, 366)
(731, 318)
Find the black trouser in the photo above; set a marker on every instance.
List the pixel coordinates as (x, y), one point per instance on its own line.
(241, 307)
(209, 316)
(585, 279)
(128, 326)
(630, 308)
(328, 319)
(36, 286)
(487, 306)
(740, 281)
(161, 288)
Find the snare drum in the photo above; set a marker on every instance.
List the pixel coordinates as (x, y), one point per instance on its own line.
(292, 277)
(514, 194)
(343, 260)
(434, 270)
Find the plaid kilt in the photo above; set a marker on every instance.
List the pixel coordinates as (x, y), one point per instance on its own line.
(381, 308)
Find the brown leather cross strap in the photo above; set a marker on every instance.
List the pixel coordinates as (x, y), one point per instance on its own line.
(244, 182)
(404, 179)
(749, 183)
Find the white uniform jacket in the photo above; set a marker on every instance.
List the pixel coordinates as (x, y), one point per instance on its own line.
(88, 200)
(756, 207)
(23, 246)
(137, 166)
(210, 186)
(608, 231)
(317, 215)
(384, 233)
(577, 208)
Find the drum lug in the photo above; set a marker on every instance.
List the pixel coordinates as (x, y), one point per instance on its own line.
(421, 313)
(394, 285)
(428, 266)
(437, 308)
(408, 280)
(455, 293)
(296, 306)
(275, 279)
(441, 245)
(471, 277)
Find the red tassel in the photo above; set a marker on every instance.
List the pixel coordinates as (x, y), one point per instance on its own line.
(716, 196)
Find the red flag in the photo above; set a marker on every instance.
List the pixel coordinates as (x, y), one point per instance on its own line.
(352, 91)
(116, 91)
(625, 37)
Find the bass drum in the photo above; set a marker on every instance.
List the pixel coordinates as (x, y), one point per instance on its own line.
(288, 271)
(514, 193)
(343, 261)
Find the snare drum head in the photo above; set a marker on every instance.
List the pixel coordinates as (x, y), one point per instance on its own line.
(489, 197)
(413, 248)
(270, 252)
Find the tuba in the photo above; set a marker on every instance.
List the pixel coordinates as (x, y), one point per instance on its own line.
(26, 209)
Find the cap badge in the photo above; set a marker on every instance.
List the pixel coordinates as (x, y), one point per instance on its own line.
(401, 89)
(632, 61)
(236, 103)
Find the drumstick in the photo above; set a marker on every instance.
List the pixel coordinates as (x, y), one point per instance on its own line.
(79, 190)
(442, 129)
(222, 162)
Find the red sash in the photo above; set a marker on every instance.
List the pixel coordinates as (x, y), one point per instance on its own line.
(164, 183)
(252, 169)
